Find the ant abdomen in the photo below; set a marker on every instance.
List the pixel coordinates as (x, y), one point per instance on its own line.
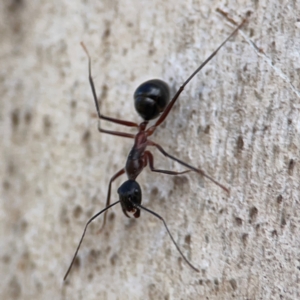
(151, 98)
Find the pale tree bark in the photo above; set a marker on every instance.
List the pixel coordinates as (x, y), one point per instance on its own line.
(238, 120)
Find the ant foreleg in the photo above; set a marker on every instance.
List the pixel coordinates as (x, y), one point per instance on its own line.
(199, 171)
(113, 120)
(117, 133)
(118, 121)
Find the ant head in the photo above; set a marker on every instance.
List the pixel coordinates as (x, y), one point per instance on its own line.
(151, 98)
(130, 193)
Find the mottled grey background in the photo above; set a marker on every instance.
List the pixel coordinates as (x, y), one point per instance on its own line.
(238, 120)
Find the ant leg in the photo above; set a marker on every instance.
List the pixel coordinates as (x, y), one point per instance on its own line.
(121, 172)
(87, 224)
(118, 121)
(228, 18)
(199, 171)
(123, 134)
(163, 116)
(149, 158)
(159, 217)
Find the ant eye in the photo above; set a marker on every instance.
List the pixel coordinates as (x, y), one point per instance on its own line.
(136, 191)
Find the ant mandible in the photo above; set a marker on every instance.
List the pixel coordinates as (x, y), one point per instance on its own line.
(150, 100)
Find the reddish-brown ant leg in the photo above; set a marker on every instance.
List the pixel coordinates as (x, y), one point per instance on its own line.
(113, 120)
(117, 133)
(118, 121)
(121, 172)
(150, 159)
(199, 171)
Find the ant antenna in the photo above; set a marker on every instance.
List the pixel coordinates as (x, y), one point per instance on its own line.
(83, 234)
(162, 219)
(214, 53)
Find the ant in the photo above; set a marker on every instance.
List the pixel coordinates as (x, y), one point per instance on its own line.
(151, 99)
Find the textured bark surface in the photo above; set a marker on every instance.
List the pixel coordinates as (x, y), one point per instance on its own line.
(238, 120)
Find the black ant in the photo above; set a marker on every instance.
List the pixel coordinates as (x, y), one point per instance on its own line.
(150, 100)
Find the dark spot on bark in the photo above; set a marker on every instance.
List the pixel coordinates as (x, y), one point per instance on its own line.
(253, 213)
(238, 221)
(93, 255)
(233, 284)
(86, 136)
(240, 143)
(216, 283)
(279, 199)
(47, 124)
(77, 212)
(6, 185)
(114, 259)
(207, 129)
(179, 180)
(77, 262)
(104, 91)
(73, 104)
(187, 239)
(15, 5)
(28, 118)
(15, 118)
(245, 238)
(111, 217)
(15, 289)
(154, 191)
(291, 166)
(283, 219)
(6, 259)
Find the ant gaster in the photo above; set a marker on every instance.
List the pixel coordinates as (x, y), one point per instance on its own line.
(151, 99)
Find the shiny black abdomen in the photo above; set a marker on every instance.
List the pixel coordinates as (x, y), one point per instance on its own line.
(151, 98)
